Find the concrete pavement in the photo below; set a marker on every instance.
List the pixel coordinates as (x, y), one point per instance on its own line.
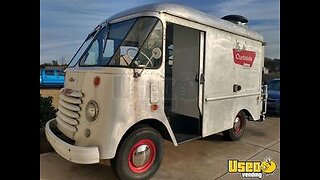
(200, 159)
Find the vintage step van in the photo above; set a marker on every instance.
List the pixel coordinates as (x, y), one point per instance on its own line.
(159, 71)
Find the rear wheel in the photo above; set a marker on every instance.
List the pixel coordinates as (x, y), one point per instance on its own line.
(139, 155)
(239, 126)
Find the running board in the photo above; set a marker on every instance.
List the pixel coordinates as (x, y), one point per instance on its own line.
(183, 138)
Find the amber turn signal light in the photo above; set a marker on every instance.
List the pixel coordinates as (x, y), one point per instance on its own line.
(154, 107)
(96, 81)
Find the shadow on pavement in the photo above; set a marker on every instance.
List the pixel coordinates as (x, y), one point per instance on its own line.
(68, 170)
(51, 87)
(214, 137)
(273, 114)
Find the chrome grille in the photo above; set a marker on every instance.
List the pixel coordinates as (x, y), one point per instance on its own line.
(68, 114)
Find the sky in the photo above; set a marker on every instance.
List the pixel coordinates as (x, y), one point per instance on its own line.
(64, 24)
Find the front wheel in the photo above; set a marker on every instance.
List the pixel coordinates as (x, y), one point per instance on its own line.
(139, 155)
(239, 126)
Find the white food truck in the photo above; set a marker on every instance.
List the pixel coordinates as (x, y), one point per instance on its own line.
(159, 71)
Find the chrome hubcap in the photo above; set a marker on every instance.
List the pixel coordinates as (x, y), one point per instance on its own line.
(141, 155)
(237, 124)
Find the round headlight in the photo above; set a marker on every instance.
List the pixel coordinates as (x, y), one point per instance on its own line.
(92, 111)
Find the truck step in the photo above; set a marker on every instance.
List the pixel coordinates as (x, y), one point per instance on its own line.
(182, 138)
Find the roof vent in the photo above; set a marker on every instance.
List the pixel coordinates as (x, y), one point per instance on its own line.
(237, 19)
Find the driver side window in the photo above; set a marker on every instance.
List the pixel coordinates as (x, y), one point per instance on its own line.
(154, 41)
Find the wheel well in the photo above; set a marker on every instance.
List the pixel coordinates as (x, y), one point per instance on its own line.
(157, 125)
(248, 114)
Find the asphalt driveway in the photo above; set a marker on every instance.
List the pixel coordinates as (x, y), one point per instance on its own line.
(199, 159)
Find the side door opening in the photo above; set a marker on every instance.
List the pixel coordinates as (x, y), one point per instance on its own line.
(182, 81)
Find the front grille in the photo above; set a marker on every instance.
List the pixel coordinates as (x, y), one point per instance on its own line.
(68, 114)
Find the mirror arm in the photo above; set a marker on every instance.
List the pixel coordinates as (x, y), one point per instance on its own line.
(136, 74)
(149, 60)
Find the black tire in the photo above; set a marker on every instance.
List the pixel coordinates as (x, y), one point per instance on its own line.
(123, 165)
(236, 132)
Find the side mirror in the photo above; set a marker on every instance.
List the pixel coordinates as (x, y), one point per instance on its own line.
(156, 53)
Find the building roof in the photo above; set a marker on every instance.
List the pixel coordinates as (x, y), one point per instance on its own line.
(193, 15)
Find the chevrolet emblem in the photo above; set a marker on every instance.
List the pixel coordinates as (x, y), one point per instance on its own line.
(71, 79)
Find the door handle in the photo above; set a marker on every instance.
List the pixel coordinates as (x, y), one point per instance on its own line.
(236, 87)
(201, 78)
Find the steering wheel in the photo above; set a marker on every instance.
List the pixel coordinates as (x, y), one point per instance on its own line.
(149, 60)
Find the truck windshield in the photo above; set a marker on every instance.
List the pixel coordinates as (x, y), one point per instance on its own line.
(82, 48)
(118, 44)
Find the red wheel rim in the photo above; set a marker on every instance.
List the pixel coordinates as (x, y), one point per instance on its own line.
(238, 123)
(148, 146)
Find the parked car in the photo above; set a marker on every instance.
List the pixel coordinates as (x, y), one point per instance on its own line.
(273, 105)
(52, 77)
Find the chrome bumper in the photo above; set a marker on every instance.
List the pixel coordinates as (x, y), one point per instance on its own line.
(76, 154)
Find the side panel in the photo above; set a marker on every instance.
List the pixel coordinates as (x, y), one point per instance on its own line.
(221, 103)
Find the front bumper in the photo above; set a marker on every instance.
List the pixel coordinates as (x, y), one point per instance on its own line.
(76, 154)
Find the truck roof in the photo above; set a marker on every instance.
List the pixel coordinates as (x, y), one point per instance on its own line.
(192, 15)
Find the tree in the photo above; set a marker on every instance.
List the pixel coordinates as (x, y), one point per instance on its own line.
(47, 111)
(272, 64)
(62, 60)
(55, 63)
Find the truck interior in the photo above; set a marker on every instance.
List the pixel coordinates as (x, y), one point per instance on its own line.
(181, 85)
